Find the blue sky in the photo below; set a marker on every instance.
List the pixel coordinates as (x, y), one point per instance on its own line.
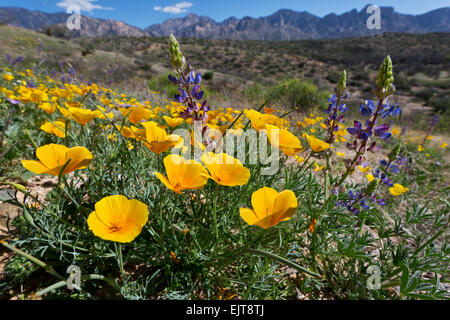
(143, 13)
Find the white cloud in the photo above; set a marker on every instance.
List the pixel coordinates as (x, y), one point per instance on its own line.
(178, 8)
(84, 5)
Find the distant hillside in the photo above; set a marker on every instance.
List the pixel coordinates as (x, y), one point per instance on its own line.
(41, 21)
(292, 25)
(282, 25)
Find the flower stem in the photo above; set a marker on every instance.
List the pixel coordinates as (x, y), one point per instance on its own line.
(283, 261)
(33, 259)
(215, 212)
(120, 261)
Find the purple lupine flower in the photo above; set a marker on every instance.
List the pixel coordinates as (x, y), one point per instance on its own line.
(434, 121)
(182, 97)
(403, 131)
(17, 60)
(358, 132)
(31, 84)
(13, 101)
(367, 108)
(381, 131)
(391, 111)
(198, 78)
(61, 67)
(72, 71)
(174, 80)
(196, 92)
(204, 107)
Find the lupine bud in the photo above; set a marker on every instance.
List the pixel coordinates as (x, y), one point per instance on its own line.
(394, 153)
(385, 79)
(176, 56)
(373, 185)
(342, 84)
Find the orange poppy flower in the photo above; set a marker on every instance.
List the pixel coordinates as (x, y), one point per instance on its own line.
(157, 140)
(270, 207)
(284, 140)
(53, 157)
(173, 122)
(317, 145)
(226, 170)
(183, 174)
(83, 116)
(118, 219)
(57, 128)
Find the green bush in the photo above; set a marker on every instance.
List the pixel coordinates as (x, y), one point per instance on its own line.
(299, 94)
(440, 102)
(425, 94)
(333, 77)
(209, 75)
(162, 84)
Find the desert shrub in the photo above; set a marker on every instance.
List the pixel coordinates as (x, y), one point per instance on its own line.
(440, 102)
(88, 49)
(333, 77)
(299, 94)
(162, 84)
(208, 75)
(425, 94)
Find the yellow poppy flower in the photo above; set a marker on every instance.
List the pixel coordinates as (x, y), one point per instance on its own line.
(103, 115)
(444, 145)
(183, 174)
(340, 154)
(157, 140)
(420, 148)
(270, 207)
(8, 77)
(226, 170)
(127, 132)
(318, 168)
(38, 96)
(299, 159)
(173, 122)
(138, 133)
(136, 115)
(259, 120)
(370, 177)
(317, 145)
(57, 128)
(72, 104)
(398, 190)
(118, 219)
(364, 170)
(395, 132)
(284, 140)
(47, 107)
(83, 116)
(53, 157)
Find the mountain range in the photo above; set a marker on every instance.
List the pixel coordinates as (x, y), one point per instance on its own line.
(282, 25)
